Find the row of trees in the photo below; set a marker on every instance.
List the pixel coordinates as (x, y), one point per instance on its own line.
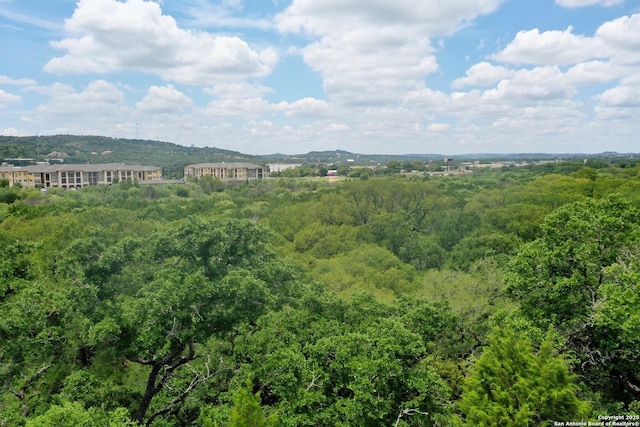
(495, 299)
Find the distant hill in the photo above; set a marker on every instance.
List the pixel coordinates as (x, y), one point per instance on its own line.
(98, 149)
(172, 158)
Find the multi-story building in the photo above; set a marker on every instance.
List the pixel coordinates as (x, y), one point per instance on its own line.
(76, 176)
(226, 171)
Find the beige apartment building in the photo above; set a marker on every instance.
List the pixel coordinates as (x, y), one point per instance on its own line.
(226, 171)
(76, 176)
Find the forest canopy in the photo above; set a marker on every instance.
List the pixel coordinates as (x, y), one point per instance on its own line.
(503, 297)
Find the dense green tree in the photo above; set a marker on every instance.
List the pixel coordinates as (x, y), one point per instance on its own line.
(393, 166)
(326, 241)
(480, 245)
(9, 195)
(247, 411)
(209, 184)
(510, 384)
(158, 303)
(332, 362)
(475, 296)
(365, 268)
(556, 277)
(619, 305)
(558, 280)
(617, 315)
(149, 302)
(72, 414)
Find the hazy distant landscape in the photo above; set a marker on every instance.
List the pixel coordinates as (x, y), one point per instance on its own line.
(385, 297)
(173, 157)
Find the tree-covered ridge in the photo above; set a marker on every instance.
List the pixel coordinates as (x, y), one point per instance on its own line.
(172, 158)
(502, 298)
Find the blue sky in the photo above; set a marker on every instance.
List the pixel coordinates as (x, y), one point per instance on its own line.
(292, 76)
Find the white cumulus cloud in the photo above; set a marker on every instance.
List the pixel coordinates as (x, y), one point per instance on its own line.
(550, 48)
(330, 16)
(621, 96)
(110, 35)
(164, 99)
(482, 74)
(375, 51)
(538, 84)
(100, 101)
(238, 90)
(6, 80)
(310, 107)
(7, 98)
(10, 132)
(622, 34)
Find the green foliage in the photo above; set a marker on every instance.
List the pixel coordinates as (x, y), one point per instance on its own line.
(247, 411)
(619, 307)
(480, 245)
(328, 361)
(572, 276)
(208, 184)
(556, 278)
(326, 241)
(354, 302)
(121, 302)
(299, 171)
(511, 385)
(72, 414)
(475, 296)
(8, 195)
(365, 268)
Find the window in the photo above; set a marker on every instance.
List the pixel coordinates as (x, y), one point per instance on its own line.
(92, 178)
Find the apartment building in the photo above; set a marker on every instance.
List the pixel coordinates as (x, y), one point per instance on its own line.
(226, 171)
(76, 176)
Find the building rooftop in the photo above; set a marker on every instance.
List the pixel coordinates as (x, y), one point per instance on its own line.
(98, 167)
(224, 165)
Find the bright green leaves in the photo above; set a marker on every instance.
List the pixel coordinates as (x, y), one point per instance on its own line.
(247, 411)
(617, 319)
(212, 248)
(326, 241)
(210, 278)
(366, 268)
(556, 278)
(575, 278)
(332, 362)
(73, 414)
(15, 267)
(511, 385)
(134, 307)
(166, 314)
(619, 307)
